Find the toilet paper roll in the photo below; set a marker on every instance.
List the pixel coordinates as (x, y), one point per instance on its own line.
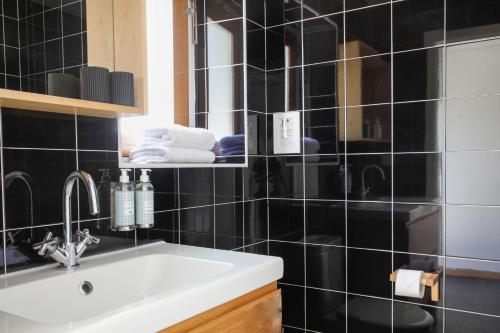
(408, 283)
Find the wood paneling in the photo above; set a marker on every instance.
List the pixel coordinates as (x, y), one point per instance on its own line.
(258, 311)
(100, 35)
(181, 62)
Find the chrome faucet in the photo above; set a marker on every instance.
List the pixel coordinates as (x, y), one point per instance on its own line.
(67, 253)
(365, 190)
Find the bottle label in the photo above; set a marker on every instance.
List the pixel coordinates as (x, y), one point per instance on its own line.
(144, 206)
(124, 208)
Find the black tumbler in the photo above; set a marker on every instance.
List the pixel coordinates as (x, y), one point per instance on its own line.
(95, 84)
(63, 85)
(122, 88)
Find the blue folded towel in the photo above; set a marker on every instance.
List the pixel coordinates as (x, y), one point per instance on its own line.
(232, 141)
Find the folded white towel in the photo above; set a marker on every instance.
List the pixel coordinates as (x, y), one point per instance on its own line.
(180, 136)
(162, 154)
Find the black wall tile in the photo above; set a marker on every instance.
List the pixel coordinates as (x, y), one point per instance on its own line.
(376, 265)
(286, 220)
(322, 307)
(325, 222)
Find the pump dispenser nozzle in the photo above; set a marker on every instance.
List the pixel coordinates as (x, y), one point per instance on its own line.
(145, 175)
(124, 178)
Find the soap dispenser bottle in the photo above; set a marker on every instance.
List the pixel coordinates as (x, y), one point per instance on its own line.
(123, 204)
(144, 201)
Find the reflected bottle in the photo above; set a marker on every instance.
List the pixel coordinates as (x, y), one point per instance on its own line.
(104, 190)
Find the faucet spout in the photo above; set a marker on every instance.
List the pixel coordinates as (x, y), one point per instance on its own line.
(365, 190)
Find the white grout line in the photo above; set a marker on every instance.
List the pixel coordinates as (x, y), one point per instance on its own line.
(392, 161)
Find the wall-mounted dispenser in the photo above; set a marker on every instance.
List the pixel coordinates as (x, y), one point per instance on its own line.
(123, 204)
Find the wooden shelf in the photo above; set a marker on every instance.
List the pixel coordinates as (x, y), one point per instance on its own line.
(45, 103)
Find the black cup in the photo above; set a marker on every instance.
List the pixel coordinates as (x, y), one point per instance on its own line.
(122, 88)
(95, 84)
(63, 85)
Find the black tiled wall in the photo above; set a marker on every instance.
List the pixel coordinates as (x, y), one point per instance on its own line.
(352, 64)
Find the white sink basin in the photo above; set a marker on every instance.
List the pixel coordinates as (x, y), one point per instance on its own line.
(144, 289)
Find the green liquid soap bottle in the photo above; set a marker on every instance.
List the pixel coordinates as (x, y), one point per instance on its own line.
(144, 201)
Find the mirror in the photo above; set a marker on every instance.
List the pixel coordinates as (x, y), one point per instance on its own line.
(196, 79)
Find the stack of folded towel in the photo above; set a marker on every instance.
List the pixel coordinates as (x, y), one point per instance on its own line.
(232, 145)
(177, 144)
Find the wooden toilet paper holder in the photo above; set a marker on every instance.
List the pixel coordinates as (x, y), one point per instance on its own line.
(429, 280)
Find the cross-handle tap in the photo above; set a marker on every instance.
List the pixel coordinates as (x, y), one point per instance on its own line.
(67, 253)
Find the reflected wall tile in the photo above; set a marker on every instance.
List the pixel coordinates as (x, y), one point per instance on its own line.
(404, 313)
(282, 11)
(419, 127)
(255, 221)
(260, 248)
(467, 20)
(368, 80)
(286, 220)
(167, 236)
(324, 177)
(257, 133)
(313, 8)
(223, 10)
(321, 307)
(353, 4)
(469, 70)
(97, 133)
(367, 315)
(417, 178)
(462, 322)
(94, 163)
(256, 11)
(472, 285)
(369, 225)
(321, 86)
(418, 75)
(277, 86)
(200, 82)
(20, 253)
(2, 263)
(418, 229)
(322, 133)
(256, 44)
(255, 179)
(200, 50)
(361, 127)
(377, 177)
(418, 23)
(229, 226)
(73, 17)
(224, 43)
(228, 185)
(285, 177)
(322, 39)
(472, 178)
(472, 231)
(48, 170)
(284, 46)
(233, 81)
(256, 89)
(428, 264)
(375, 264)
(30, 129)
(197, 226)
(477, 130)
(360, 28)
(325, 267)
(293, 299)
(293, 258)
(196, 187)
(325, 222)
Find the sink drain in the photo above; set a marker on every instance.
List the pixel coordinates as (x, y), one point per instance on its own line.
(86, 288)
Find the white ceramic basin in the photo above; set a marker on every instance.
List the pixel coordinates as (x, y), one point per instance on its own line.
(144, 289)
